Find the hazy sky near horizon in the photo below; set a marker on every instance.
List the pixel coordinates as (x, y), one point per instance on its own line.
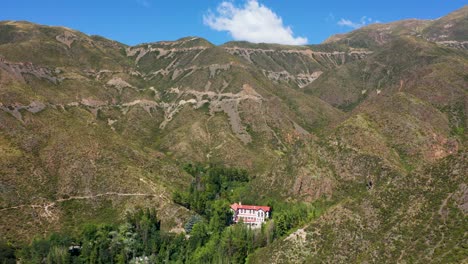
(278, 21)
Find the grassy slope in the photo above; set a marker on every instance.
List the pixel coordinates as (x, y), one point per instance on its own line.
(397, 138)
(417, 218)
(402, 64)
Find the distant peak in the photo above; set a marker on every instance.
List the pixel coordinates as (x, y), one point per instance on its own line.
(184, 42)
(250, 45)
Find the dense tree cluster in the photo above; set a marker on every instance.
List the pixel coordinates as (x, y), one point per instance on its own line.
(210, 184)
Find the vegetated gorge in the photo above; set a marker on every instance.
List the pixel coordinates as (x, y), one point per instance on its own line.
(133, 154)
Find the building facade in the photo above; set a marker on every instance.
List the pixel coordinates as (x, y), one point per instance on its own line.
(251, 215)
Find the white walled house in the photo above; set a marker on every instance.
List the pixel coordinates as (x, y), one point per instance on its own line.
(251, 215)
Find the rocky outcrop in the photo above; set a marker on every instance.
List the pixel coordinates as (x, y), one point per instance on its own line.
(101, 74)
(18, 69)
(15, 109)
(119, 84)
(147, 105)
(177, 42)
(176, 72)
(140, 51)
(67, 38)
(335, 57)
(301, 80)
(461, 197)
(218, 102)
(454, 44)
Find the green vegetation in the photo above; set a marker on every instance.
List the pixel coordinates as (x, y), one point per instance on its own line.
(7, 253)
(425, 226)
(140, 235)
(210, 184)
(211, 237)
(212, 190)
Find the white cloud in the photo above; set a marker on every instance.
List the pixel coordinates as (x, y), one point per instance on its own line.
(362, 22)
(253, 22)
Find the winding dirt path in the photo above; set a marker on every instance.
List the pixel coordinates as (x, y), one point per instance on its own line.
(46, 206)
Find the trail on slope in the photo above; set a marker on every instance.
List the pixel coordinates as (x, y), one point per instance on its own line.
(46, 206)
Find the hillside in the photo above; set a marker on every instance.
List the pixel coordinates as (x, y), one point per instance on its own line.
(408, 110)
(95, 118)
(91, 128)
(419, 218)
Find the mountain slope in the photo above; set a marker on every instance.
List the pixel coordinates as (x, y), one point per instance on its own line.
(370, 120)
(418, 218)
(100, 122)
(407, 113)
(449, 30)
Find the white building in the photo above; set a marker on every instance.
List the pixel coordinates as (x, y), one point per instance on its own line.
(251, 215)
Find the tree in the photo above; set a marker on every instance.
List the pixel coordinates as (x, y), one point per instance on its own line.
(199, 236)
(7, 253)
(281, 225)
(221, 215)
(191, 222)
(58, 255)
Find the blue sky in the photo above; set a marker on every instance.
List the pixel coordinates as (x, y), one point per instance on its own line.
(281, 21)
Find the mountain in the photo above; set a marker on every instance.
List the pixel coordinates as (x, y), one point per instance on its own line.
(401, 100)
(419, 218)
(373, 122)
(101, 123)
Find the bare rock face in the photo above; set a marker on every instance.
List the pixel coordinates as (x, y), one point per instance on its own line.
(461, 197)
(297, 237)
(166, 52)
(17, 69)
(34, 107)
(301, 79)
(214, 68)
(93, 105)
(295, 66)
(67, 38)
(230, 106)
(454, 44)
(141, 51)
(334, 58)
(218, 102)
(119, 84)
(147, 105)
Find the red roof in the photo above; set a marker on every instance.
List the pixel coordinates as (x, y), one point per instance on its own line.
(237, 206)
